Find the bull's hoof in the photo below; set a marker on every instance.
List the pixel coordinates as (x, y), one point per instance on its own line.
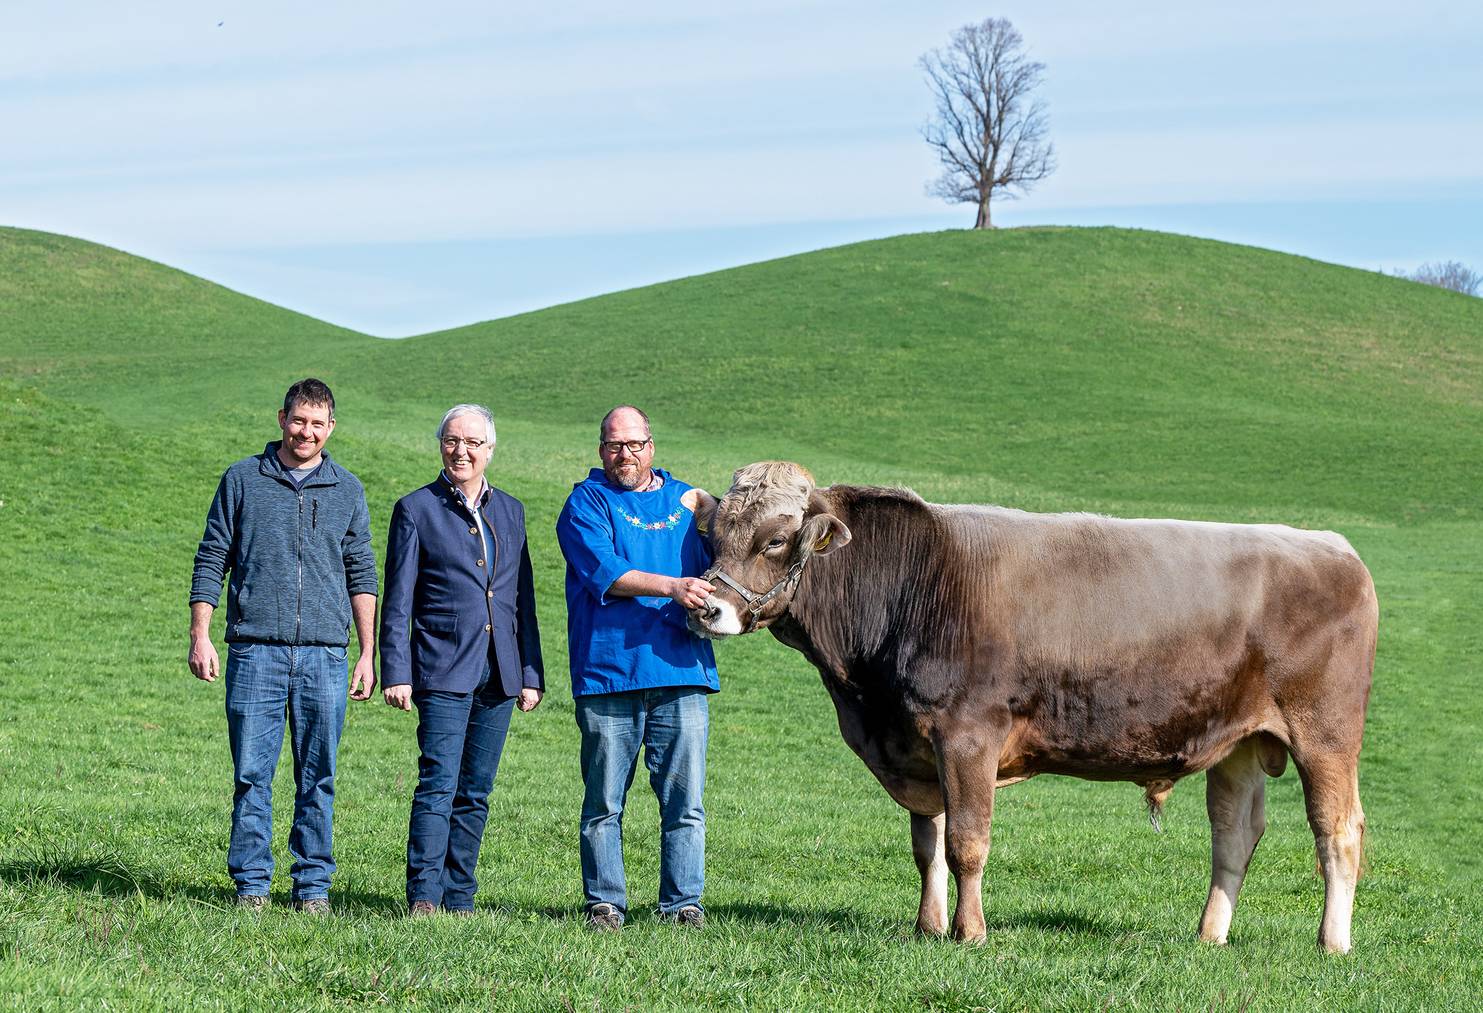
(971, 936)
(931, 930)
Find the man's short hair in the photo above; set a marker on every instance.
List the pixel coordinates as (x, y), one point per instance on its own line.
(602, 429)
(311, 392)
(468, 409)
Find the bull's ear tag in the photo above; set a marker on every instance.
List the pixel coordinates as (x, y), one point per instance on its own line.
(823, 543)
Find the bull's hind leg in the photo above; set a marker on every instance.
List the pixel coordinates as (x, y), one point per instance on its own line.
(927, 847)
(1235, 798)
(1331, 786)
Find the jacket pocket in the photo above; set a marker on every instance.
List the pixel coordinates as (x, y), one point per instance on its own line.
(436, 622)
(237, 598)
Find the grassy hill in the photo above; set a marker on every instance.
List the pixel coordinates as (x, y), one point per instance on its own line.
(1127, 372)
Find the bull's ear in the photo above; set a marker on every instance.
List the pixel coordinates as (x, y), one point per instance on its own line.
(703, 505)
(821, 534)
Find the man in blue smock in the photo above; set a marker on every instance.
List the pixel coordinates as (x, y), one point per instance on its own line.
(639, 676)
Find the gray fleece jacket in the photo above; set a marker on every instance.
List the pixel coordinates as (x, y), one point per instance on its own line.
(296, 555)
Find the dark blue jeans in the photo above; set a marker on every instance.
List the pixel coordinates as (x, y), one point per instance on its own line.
(268, 684)
(672, 724)
(461, 736)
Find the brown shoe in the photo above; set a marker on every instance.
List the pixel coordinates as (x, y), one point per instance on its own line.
(254, 902)
(421, 909)
(604, 918)
(690, 917)
(317, 906)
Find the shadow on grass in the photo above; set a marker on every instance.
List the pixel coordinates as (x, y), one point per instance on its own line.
(761, 915)
(1075, 923)
(110, 876)
(766, 915)
(781, 915)
(106, 874)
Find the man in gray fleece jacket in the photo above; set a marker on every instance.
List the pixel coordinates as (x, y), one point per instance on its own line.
(292, 527)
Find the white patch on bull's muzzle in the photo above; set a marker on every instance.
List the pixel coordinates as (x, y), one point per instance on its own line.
(718, 619)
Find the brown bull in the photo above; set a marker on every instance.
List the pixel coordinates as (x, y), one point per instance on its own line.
(971, 647)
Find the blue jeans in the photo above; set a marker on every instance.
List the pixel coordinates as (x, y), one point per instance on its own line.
(461, 736)
(307, 686)
(671, 724)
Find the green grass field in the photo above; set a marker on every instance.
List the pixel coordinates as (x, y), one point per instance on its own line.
(1132, 373)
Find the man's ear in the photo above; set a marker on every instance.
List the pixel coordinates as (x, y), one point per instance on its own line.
(821, 534)
(703, 505)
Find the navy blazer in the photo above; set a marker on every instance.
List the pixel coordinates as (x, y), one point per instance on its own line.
(445, 609)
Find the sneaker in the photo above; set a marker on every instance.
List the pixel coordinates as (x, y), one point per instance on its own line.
(604, 918)
(421, 909)
(318, 906)
(459, 912)
(255, 902)
(690, 916)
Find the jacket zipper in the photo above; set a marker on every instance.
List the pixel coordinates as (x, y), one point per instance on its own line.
(299, 554)
(314, 516)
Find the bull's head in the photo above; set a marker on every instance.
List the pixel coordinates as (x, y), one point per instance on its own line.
(764, 531)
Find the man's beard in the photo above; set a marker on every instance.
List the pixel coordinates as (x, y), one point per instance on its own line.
(628, 477)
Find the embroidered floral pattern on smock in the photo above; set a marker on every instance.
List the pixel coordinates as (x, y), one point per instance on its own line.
(669, 522)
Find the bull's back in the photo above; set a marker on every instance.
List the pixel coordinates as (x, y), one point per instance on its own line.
(1139, 648)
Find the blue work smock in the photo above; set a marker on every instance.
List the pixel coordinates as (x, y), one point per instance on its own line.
(617, 643)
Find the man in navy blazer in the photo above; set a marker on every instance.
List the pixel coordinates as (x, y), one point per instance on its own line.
(459, 640)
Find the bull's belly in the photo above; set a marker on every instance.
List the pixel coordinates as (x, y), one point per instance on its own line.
(1132, 752)
(1144, 716)
(1148, 744)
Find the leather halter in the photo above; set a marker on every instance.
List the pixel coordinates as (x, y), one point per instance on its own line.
(752, 600)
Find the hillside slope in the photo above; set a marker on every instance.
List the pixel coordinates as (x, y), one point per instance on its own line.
(98, 325)
(1110, 367)
(1114, 364)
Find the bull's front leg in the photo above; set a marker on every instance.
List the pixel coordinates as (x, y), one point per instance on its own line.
(968, 764)
(927, 834)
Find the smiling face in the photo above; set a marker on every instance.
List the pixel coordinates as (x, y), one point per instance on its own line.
(623, 466)
(306, 428)
(466, 449)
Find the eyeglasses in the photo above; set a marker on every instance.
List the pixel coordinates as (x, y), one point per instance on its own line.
(450, 443)
(634, 446)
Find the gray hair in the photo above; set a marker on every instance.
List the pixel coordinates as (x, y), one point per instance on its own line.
(467, 409)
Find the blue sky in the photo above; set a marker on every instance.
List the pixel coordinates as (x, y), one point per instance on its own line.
(400, 167)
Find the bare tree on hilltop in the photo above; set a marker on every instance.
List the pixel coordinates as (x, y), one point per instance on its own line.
(1453, 274)
(989, 131)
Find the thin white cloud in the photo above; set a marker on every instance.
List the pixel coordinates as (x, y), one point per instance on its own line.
(154, 128)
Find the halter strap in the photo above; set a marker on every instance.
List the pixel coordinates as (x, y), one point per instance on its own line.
(753, 601)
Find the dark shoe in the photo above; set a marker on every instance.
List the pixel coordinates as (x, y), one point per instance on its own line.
(604, 918)
(255, 902)
(690, 916)
(318, 906)
(421, 909)
(459, 912)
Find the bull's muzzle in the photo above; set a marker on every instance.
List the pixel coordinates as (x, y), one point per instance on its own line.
(714, 619)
